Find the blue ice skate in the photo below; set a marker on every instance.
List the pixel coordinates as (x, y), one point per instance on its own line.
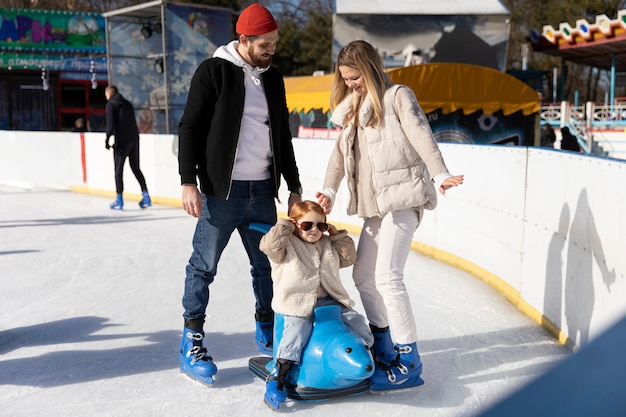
(194, 360)
(145, 200)
(275, 394)
(275, 391)
(398, 367)
(118, 204)
(264, 336)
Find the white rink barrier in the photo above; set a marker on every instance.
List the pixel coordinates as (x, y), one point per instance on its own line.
(546, 228)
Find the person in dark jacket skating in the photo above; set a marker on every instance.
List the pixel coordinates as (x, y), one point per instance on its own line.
(569, 141)
(234, 140)
(548, 137)
(122, 125)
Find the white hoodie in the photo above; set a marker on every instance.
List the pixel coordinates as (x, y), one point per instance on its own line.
(254, 153)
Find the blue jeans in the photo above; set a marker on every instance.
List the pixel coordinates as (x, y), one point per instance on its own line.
(297, 330)
(249, 201)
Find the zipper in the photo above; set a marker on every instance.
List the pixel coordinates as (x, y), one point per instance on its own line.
(232, 170)
(269, 124)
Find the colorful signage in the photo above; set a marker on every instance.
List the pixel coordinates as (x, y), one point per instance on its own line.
(52, 31)
(13, 61)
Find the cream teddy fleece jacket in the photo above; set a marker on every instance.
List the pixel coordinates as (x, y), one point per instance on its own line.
(299, 268)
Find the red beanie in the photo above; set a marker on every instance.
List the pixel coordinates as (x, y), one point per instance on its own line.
(255, 20)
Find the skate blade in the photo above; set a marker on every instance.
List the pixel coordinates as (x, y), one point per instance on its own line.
(208, 381)
(400, 388)
(271, 405)
(265, 351)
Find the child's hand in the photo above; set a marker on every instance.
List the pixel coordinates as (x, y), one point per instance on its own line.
(332, 230)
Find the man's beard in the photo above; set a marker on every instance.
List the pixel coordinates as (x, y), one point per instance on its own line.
(259, 60)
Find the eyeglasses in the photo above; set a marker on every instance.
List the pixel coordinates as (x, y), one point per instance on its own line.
(306, 226)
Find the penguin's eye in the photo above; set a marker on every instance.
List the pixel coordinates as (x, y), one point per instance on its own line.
(349, 350)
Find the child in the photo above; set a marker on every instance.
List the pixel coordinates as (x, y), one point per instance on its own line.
(305, 271)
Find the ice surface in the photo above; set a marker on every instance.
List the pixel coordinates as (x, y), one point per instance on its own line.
(91, 319)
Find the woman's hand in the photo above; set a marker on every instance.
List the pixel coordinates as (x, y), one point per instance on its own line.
(325, 202)
(450, 182)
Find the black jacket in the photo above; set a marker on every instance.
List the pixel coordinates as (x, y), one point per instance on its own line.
(209, 128)
(121, 122)
(569, 141)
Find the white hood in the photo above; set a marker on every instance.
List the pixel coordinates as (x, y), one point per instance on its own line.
(254, 154)
(229, 53)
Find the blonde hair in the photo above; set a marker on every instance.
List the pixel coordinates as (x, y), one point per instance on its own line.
(363, 57)
(299, 209)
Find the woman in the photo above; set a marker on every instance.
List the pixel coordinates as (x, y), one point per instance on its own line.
(383, 151)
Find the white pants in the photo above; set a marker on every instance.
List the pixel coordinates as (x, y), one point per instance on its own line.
(378, 273)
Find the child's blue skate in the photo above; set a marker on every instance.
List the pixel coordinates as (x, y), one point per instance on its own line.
(334, 363)
(275, 391)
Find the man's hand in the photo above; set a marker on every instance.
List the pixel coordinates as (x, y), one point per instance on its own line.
(107, 143)
(192, 200)
(293, 198)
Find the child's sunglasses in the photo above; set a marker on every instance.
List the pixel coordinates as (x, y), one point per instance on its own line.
(306, 226)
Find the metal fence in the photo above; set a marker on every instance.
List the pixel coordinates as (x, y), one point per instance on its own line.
(582, 119)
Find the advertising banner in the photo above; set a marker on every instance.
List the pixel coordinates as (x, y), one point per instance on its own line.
(52, 39)
(51, 31)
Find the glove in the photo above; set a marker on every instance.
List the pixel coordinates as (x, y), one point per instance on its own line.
(107, 144)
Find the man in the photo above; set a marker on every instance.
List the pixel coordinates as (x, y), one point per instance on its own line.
(79, 125)
(234, 138)
(547, 137)
(121, 123)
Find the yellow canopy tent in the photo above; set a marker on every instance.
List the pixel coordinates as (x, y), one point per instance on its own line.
(309, 92)
(446, 86)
